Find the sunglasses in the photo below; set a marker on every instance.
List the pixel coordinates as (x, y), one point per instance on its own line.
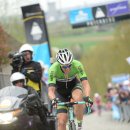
(66, 66)
(18, 81)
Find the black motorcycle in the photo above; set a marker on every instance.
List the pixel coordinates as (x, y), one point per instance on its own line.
(20, 111)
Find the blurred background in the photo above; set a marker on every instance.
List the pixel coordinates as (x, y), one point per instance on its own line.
(102, 49)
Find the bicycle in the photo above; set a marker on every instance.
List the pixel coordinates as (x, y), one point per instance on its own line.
(72, 125)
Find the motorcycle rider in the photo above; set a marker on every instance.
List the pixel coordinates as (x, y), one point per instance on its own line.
(35, 106)
(19, 80)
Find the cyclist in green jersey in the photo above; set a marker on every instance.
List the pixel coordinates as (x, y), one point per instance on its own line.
(68, 81)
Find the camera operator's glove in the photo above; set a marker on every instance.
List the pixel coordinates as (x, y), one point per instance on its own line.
(88, 100)
(54, 101)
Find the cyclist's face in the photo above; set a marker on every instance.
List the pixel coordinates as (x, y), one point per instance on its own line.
(27, 56)
(66, 68)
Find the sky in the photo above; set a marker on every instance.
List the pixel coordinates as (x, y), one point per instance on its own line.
(14, 6)
(74, 3)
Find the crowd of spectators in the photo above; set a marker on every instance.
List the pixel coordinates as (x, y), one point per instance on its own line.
(118, 97)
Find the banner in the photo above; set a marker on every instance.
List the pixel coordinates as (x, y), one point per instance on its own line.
(99, 12)
(41, 54)
(37, 35)
(116, 9)
(79, 17)
(34, 22)
(99, 15)
(119, 78)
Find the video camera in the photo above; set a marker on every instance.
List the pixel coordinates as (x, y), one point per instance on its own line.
(17, 59)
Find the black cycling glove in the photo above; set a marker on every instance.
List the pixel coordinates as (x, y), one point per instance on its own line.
(88, 99)
(54, 101)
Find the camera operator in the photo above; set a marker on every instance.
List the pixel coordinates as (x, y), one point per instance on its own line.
(31, 69)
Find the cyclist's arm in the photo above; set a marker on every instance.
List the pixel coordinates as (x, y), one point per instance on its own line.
(51, 83)
(83, 78)
(86, 87)
(51, 92)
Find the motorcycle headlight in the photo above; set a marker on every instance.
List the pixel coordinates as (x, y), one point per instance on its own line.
(7, 118)
(5, 104)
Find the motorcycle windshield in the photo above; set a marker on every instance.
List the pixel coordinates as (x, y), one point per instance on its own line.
(11, 97)
(13, 91)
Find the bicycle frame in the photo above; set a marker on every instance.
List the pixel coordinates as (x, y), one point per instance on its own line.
(72, 125)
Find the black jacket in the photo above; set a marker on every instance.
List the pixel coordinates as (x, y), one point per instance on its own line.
(32, 70)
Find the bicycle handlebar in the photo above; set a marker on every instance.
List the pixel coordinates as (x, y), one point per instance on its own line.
(70, 103)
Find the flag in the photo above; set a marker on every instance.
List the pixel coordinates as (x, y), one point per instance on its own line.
(36, 34)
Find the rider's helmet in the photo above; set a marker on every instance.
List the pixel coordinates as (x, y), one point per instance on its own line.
(64, 56)
(16, 77)
(26, 47)
(96, 95)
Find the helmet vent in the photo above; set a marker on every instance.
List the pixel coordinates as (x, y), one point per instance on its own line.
(64, 56)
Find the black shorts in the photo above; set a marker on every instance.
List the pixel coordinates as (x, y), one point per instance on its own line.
(64, 93)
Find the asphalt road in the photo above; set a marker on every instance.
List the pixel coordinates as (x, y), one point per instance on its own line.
(103, 122)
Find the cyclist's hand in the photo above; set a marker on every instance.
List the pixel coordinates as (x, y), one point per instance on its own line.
(54, 101)
(88, 100)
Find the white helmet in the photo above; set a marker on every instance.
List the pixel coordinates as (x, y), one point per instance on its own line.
(96, 95)
(17, 76)
(26, 47)
(64, 56)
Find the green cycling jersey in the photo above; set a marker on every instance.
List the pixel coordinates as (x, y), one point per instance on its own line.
(56, 73)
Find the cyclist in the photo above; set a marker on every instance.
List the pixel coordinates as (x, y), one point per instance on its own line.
(64, 83)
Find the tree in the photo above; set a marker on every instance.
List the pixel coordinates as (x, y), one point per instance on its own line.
(4, 47)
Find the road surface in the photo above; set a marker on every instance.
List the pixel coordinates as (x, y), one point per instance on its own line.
(103, 122)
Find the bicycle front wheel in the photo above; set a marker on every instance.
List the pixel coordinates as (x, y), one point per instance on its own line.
(72, 126)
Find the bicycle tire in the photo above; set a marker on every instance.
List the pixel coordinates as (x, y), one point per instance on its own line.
(72, 126)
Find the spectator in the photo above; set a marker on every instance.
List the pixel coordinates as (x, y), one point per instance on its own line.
(97, 103)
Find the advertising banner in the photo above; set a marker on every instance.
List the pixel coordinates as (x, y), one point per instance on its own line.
(34, 22)
(100, 15)
(119, 78)
(79, 17)
(116, 9)
(36, 34)
(99, 12)
(41, 54)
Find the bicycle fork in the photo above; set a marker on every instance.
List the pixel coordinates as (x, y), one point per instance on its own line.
(72, 125)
